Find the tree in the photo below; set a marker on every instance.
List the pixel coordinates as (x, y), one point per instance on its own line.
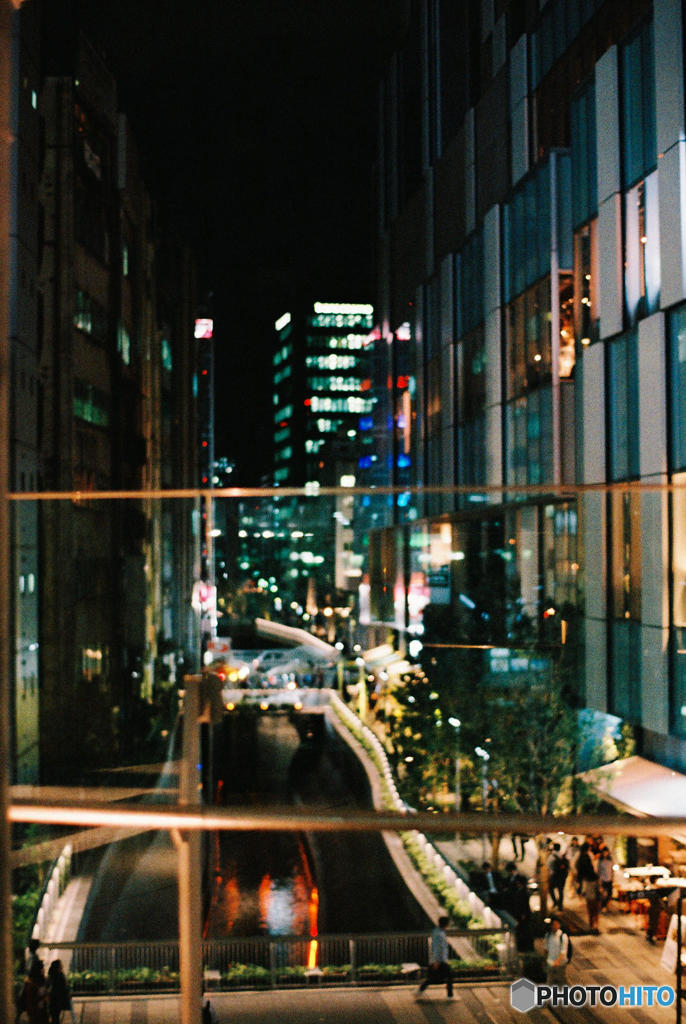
(419, 737)
(533, 735)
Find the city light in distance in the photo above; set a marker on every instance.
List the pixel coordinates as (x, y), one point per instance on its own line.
(203, 328)
(344, 307)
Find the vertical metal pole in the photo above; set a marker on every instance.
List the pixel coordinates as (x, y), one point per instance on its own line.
(7, 1010)
(456, 724)
(458, 792)
(679, 943)
(555, 323)
(210, 572)
(484, 791)
(188, 847)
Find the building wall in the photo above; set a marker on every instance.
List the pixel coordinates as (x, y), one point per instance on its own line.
(90, 603)
(25, 463)
(547, 319)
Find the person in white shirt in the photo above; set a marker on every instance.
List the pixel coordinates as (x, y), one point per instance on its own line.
(439, 968)
(556, 947)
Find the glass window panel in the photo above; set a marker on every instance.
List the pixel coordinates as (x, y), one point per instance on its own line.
(508, 258)
(678, 646)
(626, 556)
(559, 27)
(573, 13)
(626, 670)
(546, 428)
(679, 551)
(518, 240)
(563, 212)
(531, 235)
(516, 441)
(648, 98)
(545, 36)
(542, 224)
(678, 387)
(623, 419)
(516, 364)
(638, 106)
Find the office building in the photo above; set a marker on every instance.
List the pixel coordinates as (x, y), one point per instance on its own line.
(532, 316)
(322, 410)
(103, 370)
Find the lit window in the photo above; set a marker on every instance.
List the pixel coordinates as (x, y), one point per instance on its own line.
(90, 404)
(124, 344)
(167, 362)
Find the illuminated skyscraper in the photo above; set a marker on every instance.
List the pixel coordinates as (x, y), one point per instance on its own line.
(322, 400)
(322, 423)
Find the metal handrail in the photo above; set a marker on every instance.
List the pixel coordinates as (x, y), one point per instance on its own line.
(121, 968)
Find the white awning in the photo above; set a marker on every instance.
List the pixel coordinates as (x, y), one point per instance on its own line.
(386, 659)
(641, 787)
(379, 655)
(294, 635)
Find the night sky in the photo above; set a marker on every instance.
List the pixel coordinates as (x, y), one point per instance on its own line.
(256, 121)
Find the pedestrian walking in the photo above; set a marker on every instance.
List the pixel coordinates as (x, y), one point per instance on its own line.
(558, 867)
(521, 840)
(520, 908)
(588, 880)
(572, 854)
(208, 1013)
(605, 876)
(34, 996)
(439, 968)
(557, 953)
(59, 996)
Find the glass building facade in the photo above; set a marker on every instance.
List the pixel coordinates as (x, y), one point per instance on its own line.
(531, 252)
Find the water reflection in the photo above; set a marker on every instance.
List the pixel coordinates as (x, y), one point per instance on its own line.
(263, 886)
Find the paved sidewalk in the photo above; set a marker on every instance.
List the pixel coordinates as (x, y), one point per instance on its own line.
(473, 1004)
(618, 956)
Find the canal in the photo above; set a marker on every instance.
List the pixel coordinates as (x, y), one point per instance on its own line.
(283, 883)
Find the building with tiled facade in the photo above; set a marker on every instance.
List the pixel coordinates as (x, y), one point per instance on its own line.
(103, 398)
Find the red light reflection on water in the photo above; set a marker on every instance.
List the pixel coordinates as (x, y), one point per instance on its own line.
(263, 887)
(231, 901)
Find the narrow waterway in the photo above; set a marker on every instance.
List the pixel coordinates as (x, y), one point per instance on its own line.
(265, 883)
(262, 882)
(276, 883)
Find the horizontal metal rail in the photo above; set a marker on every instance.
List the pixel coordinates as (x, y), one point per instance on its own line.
(124, 968)
(560, 491)
(81, 811)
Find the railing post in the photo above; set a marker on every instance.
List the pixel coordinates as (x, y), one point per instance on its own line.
(188, 850)
(353, 958)
(112, 972)
(272, 962)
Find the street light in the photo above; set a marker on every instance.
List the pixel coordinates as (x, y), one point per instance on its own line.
(485, 758)
(456, 723)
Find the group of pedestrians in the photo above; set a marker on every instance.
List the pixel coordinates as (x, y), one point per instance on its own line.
(586, 868)
(593, 873)
(43, 999)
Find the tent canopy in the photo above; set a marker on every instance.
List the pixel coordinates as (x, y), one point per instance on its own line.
(640, 787)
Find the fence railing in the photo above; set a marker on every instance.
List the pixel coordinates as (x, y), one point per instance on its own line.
(55, 884)
(283, 961)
